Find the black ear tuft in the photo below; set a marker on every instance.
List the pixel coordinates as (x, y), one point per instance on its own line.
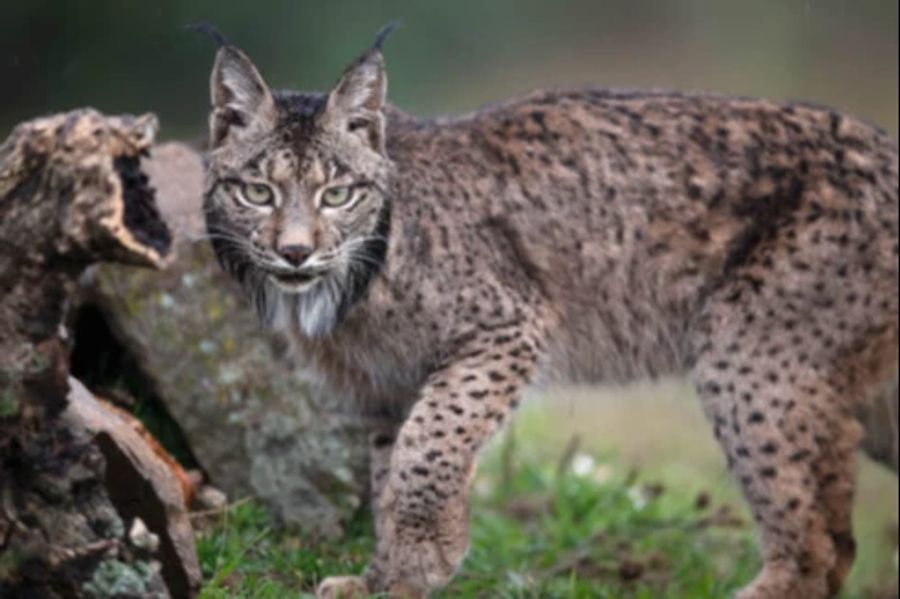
(207, 28)
(356, 104)
(384, 33)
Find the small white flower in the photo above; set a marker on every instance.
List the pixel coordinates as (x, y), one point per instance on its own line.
(583, 465)
(519, 581)
(638, 498)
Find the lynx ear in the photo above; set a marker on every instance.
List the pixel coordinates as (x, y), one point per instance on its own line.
(242, 105)
(356, 104)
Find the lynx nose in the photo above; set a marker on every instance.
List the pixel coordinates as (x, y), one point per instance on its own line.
(295, 254)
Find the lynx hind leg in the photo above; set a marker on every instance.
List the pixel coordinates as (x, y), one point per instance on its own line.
(835, 472)
(789, 436)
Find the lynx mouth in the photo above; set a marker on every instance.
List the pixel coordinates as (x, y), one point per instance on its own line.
(141, 215)
(295, 282)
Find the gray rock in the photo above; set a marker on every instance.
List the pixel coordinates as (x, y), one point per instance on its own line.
(209, 498)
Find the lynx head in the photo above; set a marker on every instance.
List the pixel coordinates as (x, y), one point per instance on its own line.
(297, 191)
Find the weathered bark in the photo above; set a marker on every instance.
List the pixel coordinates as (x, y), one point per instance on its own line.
(141, 485)
(250, 420)
(71, 193)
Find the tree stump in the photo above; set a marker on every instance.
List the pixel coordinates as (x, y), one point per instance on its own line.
(71, 193)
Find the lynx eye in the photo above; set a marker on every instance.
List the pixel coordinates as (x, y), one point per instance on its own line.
(258, 194)
(334, 197)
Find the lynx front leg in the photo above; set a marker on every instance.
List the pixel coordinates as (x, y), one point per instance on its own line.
(381, 446)
(424, 515)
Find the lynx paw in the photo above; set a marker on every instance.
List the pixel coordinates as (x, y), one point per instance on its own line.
(342, 587)
(777, 581)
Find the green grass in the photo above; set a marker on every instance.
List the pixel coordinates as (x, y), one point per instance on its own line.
(243, 556)
(591, 529)
(656, 519)
(536, 532)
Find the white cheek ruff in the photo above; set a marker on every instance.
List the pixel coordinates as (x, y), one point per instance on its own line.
(317, 310)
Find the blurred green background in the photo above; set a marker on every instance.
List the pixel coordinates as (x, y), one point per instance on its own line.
(134, 56)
